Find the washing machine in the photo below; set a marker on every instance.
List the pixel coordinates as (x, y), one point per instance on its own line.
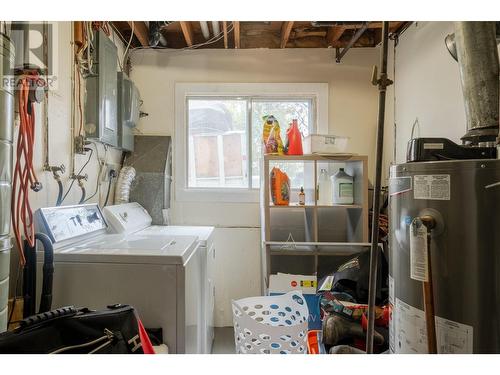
(159, 275)
(116, 218)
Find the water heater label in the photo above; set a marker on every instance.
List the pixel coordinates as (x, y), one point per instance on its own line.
(453, 337)
(432, 187)
(418, 251)
(410, 334)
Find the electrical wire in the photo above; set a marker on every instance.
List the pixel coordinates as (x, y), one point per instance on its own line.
(109, 189)
(79, 172)
(212, 40)
(24, 173)
(98, 179)
(128, 45)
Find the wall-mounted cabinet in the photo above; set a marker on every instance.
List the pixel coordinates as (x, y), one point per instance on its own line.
(128, 111)
(315, 237)
(102, 92)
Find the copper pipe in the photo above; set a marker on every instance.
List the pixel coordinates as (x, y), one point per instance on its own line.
(78, 34)
(428, 292)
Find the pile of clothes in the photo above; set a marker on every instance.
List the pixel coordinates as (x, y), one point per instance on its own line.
(343, 297)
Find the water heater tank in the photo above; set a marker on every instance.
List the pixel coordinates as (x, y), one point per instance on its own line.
(464, 199)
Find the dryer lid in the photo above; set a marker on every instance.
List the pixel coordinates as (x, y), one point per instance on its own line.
(204, 234)
(131, 249)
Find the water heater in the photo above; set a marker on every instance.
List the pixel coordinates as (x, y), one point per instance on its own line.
(464, 198)
(444, 215)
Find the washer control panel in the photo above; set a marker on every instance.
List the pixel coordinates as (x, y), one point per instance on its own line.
(63, 223)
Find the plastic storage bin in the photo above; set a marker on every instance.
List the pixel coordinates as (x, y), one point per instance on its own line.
(271, 324)
(325, 144)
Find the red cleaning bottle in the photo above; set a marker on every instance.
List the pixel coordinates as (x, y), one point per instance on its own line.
(294, 139)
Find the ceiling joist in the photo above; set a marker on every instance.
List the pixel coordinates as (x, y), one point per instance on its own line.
(237, 39)
(286, 29)
(140, 31)
(333, 35)
(224, 28)
(187, 31)
(263, 34)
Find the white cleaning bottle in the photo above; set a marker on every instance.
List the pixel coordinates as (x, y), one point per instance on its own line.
(324, 188)
(342, 188)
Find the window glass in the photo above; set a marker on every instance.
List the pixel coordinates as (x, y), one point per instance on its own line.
(217, 149)
(225, 138)
(284, 111)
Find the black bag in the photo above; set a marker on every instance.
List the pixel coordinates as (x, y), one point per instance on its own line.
(76, 331)
(352, 278)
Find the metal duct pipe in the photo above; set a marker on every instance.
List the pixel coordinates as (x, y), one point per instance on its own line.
(477, 56)
(6, 149)
(215, 28)
(204, 29)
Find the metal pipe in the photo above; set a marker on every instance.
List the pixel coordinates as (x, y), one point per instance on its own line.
(204, 29)
(7, 54)
(353, 40)
(428, 290)
(382, 83)
(215, 28)
(73, 101)
(46, 162)
(477, 56)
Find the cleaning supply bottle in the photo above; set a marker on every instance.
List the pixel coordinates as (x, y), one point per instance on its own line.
(324, 188)
(302, 197)
(342, 188)
(294, 139)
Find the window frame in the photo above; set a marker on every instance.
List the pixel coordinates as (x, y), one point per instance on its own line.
(317, 92)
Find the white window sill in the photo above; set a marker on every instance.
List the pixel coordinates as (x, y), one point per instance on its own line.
(217, 195)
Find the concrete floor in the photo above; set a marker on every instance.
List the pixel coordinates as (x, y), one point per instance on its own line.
(223, 341)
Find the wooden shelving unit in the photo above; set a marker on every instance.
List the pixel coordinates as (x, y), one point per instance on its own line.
(320, 232)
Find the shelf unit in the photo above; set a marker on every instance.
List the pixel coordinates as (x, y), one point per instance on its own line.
(323, 235)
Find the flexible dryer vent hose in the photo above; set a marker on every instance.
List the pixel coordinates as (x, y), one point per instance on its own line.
(122, 189)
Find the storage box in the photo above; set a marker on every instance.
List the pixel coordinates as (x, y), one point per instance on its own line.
(325, 144)
(282, 283)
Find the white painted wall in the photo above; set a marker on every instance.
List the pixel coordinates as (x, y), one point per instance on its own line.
(427, 87)
(60, 138)
(60, 132)
(352, 112)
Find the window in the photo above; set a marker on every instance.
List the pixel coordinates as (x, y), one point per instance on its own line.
(219, 132)
(217, 145)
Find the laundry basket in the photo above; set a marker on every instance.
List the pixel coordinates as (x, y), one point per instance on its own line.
(271, 324)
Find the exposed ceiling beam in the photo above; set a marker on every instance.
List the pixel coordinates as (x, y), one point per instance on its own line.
(140, 31)
(237, 40)
(187, 30)
(394, 26)
(286, 29)
(333, 35)
(224, 28)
